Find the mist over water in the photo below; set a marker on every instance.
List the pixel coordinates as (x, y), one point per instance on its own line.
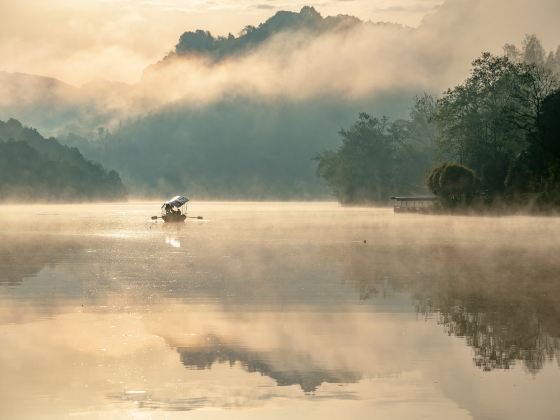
(275, 310)
(265, 310)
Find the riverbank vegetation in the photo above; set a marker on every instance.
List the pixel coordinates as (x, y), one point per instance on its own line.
(378, 158)
(492, 141)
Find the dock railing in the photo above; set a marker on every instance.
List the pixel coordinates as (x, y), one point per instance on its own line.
(418, 204)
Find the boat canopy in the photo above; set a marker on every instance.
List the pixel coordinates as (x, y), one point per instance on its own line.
(176, 201)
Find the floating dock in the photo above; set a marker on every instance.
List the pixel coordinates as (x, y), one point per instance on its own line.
(419, 204)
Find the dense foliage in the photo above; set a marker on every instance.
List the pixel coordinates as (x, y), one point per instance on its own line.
(378, 158)
(455, 184)
(43, 169)
(501, 123)
(478, 120)
(534, 176)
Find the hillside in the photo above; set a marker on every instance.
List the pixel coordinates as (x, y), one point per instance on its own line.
(32, 166)
(308, 20)
(244, 115)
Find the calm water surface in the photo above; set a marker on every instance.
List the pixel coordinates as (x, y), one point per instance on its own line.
(274, 311)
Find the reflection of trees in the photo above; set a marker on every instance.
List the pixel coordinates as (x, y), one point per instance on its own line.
(289, 372)
(22, 257)
(503, 301)
(502, 336)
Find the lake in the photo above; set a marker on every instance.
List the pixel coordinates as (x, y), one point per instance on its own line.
(277, 310)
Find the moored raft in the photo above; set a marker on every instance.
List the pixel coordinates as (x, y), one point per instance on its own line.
(418, 204)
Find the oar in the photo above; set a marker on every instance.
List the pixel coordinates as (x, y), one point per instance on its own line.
(188, 217)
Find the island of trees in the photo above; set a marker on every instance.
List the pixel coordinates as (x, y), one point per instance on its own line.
(33, 167)
(490, 142)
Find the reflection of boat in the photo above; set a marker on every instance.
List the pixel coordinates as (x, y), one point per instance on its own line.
(174, 210)
(174, 242)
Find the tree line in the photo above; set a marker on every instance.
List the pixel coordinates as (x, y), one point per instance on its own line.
(378, 158)
(36, 168)
(493, 139)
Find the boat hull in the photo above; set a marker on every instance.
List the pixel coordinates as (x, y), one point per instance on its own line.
(174, 218)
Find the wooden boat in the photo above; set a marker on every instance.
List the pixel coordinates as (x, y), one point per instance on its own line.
(175, 210)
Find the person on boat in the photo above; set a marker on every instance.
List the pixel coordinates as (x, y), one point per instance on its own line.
(171, 211)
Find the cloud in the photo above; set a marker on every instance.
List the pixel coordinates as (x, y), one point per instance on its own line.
(78, 41)
(359, 62)
(264, 6)
(408, 8)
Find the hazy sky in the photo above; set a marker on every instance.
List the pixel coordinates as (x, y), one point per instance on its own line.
(81, 40)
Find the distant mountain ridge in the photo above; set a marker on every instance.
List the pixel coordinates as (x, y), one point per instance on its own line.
(308, 19)
(243, 116)
(308, 24)
(53, 105)
(33, 167)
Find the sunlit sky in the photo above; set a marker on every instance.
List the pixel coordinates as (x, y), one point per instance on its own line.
(82, 40)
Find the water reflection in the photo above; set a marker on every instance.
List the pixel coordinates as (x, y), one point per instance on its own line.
(275, 307)
(297, 369)
(173, 242)
(503, 300)
(23, 257)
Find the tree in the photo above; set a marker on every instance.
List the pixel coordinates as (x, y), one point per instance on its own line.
(533, 51)
(453, 183)
(535, 175)
(362, 169)
(549, 125)
(484, 122)
(416, 151)
(378, 159)
(476, 119)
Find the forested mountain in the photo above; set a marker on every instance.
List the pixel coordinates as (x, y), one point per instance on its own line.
(237, 149)
(33, 167)
(243, 116)
(308, 20)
